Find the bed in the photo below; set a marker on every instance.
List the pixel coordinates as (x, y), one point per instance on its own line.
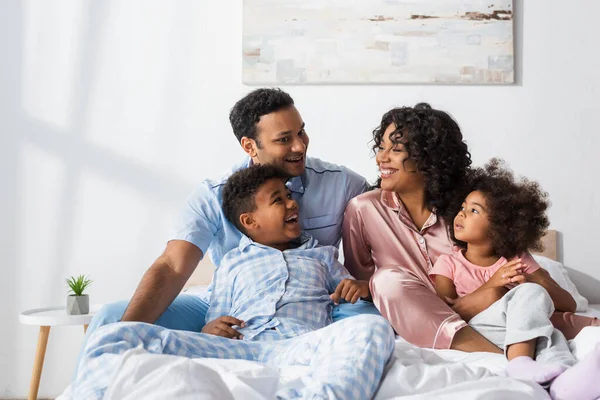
(413, 373)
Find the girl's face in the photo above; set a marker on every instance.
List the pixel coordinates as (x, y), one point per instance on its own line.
(397, 171)
(471, 224)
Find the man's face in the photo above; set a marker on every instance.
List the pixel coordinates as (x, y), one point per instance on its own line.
(280, 140)
(274, 222)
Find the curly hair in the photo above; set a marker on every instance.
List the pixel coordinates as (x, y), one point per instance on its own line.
(246, 113)
(516, 209)
(240, 190)
(435, 143)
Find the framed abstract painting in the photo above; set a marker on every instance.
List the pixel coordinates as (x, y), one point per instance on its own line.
(378, 41)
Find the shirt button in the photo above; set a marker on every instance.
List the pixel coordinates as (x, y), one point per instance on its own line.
(421, 240)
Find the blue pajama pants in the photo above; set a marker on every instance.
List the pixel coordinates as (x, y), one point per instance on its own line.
(346, 359)
(188, 313)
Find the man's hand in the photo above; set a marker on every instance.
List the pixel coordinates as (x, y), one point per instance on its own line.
(351, 290)
(222, 326)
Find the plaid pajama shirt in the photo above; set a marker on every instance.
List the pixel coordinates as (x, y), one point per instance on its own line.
(284, 299)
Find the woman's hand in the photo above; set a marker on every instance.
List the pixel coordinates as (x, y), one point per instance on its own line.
(351, 290)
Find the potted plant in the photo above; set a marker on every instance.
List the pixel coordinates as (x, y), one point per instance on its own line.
(78, 303)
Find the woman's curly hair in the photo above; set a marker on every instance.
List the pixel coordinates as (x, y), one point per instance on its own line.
(435, 143)
(516, 209)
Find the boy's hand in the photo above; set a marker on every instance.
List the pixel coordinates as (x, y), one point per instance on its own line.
(222, 326)
(351, 290)
(511, 272)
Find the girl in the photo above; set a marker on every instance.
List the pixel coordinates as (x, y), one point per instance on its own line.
(394, 234)
(498, 222)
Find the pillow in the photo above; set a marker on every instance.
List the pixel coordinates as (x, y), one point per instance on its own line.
(559, 273)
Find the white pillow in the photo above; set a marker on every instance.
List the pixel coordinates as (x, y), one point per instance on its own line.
(559, 273)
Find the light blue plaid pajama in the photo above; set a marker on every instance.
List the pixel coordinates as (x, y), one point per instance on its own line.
(267, 288)
(346, 359)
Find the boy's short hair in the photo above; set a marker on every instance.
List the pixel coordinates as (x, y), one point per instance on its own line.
(240, 190)
(516, 209)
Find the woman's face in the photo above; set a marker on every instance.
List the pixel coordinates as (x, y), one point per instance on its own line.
(397, 171)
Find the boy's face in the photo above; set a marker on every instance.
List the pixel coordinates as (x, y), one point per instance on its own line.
(281, 141)
(471, 224)
(275, 221)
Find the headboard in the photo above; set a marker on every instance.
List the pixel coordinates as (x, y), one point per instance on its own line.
(204, 272)
(550, 241)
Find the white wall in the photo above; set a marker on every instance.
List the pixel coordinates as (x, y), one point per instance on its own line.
(110, 113)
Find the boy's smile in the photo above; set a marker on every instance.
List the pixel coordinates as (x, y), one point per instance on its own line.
(275, 221)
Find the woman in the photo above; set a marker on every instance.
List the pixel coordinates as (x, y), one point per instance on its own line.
(393, 235)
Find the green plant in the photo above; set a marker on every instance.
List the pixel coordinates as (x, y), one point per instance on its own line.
(78, 284)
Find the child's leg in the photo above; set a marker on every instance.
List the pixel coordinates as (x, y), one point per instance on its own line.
(104, 351)
(523, 349)
(516, 323)
(529, 307)
(581, 382)
(552, 357)
(346, 358)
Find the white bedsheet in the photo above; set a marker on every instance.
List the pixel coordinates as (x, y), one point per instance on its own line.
(414, 373)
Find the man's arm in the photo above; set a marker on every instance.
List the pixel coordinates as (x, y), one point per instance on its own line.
(163, 281)
(195, 229)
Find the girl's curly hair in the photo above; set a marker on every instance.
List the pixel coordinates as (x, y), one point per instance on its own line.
(435, 143)
(516, 209)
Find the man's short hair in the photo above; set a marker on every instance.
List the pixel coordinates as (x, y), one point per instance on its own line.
(246, 113)
(241, 188)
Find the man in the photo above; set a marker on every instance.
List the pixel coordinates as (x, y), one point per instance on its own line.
(270, 131)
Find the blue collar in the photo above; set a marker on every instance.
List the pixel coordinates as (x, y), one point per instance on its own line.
(305, 241)
(295, 184)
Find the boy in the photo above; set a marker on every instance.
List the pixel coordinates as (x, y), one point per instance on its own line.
(278, 287)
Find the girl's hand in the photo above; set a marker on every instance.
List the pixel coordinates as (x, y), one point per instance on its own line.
(519, 279)
(511, 272)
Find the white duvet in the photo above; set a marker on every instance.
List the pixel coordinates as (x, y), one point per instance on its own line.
(413, 373)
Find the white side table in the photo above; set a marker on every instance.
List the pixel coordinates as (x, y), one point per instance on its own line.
(45, 318)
